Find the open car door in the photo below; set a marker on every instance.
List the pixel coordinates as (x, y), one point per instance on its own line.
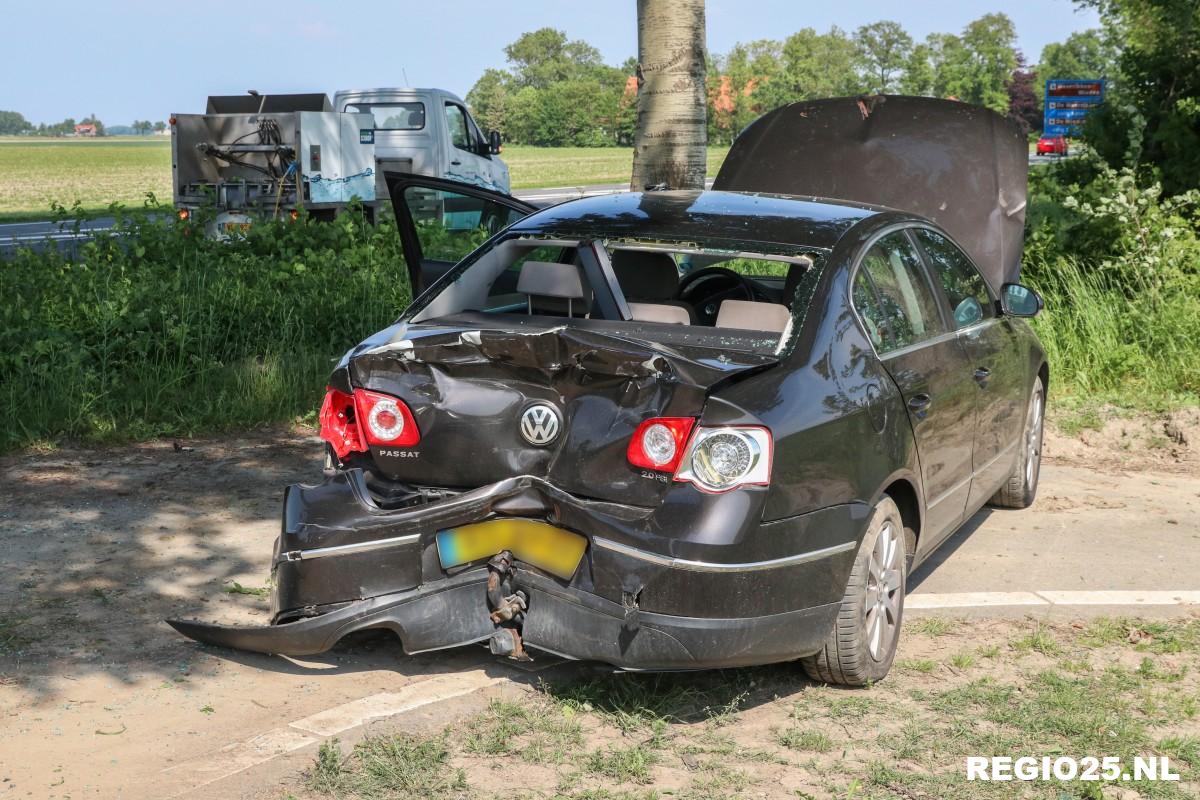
(441, 221)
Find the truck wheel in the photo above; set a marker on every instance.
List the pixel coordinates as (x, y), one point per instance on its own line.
(860, 648)
(1020, 489)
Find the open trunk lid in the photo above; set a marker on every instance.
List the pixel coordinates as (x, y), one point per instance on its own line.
(468, 387)
(962, 166)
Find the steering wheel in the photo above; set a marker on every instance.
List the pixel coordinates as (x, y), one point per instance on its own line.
(705, 289)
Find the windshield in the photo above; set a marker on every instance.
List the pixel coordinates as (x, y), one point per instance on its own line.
(393, 116)
(627, 281)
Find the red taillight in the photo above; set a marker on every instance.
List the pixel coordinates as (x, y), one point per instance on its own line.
(338, 425)
(385, 420)
(184, 214)
(658, 443)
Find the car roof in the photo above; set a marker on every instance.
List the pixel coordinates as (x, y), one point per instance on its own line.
(703, 217)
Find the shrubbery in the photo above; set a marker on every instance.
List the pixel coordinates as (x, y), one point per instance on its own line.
(1119, 266)
(155, 329)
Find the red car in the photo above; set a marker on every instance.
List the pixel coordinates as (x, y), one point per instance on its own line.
(1052, 146)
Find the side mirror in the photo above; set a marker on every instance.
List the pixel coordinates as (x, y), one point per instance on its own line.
(1020, 301)
(494, 145)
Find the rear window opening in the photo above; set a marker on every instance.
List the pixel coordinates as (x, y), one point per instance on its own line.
(651, 284)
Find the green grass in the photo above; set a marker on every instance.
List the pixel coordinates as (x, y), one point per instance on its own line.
(536, 167)
(1136, 348)
(387, 767)
(36, 173)
(178, 333)
(639, 737)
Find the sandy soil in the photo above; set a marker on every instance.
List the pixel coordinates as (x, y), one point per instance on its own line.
(98, 695)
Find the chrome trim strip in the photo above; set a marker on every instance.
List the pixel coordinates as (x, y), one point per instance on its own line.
(708, 566)
(350, 549)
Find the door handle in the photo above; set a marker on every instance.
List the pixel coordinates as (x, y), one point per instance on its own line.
(455, 163)
(918, 404)
(981, 376)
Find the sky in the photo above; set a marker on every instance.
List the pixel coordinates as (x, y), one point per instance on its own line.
(127, 59)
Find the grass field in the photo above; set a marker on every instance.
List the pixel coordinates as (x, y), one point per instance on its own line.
(34, 173)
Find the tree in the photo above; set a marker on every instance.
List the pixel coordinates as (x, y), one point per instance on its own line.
(884, 48)
(918, 76)
(821, 65)
(13, 123)
(160, 126)
(1152, 118)
(1023, 105)
(670, 142)
(991, 43)
(489, 99)
(545, 56)
(1084, 54)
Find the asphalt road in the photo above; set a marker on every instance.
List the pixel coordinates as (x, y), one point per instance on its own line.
(16, 234)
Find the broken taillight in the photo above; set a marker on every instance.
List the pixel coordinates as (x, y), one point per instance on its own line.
(351, 422)
(338, 426)
(385, 420)
(658, 443)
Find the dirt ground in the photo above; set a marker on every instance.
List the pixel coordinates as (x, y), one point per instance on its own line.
(99, 698)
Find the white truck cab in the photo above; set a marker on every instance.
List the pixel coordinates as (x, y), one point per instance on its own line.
(427, 132)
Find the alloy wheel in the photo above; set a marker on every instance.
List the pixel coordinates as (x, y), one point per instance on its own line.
(884, 591)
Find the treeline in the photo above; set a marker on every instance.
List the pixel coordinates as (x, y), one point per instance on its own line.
(13, 123)
(559, 92)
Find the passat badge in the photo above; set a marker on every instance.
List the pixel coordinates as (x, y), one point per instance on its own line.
(540, 424)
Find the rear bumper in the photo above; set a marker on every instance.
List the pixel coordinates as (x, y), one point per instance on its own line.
(560, 620)
(637, 601)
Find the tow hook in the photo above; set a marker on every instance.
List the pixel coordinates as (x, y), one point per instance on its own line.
(507, 605)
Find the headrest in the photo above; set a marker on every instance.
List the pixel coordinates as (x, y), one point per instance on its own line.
(646, 276)
(653, 312)
(750, 316)
(548, 279)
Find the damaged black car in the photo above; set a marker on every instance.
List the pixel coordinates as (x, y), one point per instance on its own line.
(680, 430)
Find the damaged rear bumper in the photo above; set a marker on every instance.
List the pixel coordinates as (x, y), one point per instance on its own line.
(637, 600)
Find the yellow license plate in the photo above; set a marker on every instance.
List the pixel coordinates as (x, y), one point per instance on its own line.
(545, 546)
(237, 227)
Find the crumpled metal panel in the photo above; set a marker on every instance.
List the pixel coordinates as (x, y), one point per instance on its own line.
(468, 387)
(962, 166)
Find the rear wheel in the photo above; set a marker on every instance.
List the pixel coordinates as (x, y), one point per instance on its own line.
(860, 648)
(1020, 490)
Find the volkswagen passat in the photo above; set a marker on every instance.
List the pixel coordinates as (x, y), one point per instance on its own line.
(675, 430)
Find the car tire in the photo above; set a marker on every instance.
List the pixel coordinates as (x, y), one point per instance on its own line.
(1020, 489)
(860, 648)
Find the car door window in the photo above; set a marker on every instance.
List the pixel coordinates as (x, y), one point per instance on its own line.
(965, 288)
(907, 311)
(479, 144)
(450, 225)
(456, 123)
(867, 305)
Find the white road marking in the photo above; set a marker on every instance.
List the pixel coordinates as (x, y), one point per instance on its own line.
(414, 695)
(973, 600)
(235, 757)
(1046, 597)
(1126, 598)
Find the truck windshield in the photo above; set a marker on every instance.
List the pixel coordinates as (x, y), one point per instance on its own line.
(393, 116)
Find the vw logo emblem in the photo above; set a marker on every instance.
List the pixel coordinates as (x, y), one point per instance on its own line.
(540, 424)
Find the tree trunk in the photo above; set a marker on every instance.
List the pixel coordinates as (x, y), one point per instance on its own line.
(670, 146)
